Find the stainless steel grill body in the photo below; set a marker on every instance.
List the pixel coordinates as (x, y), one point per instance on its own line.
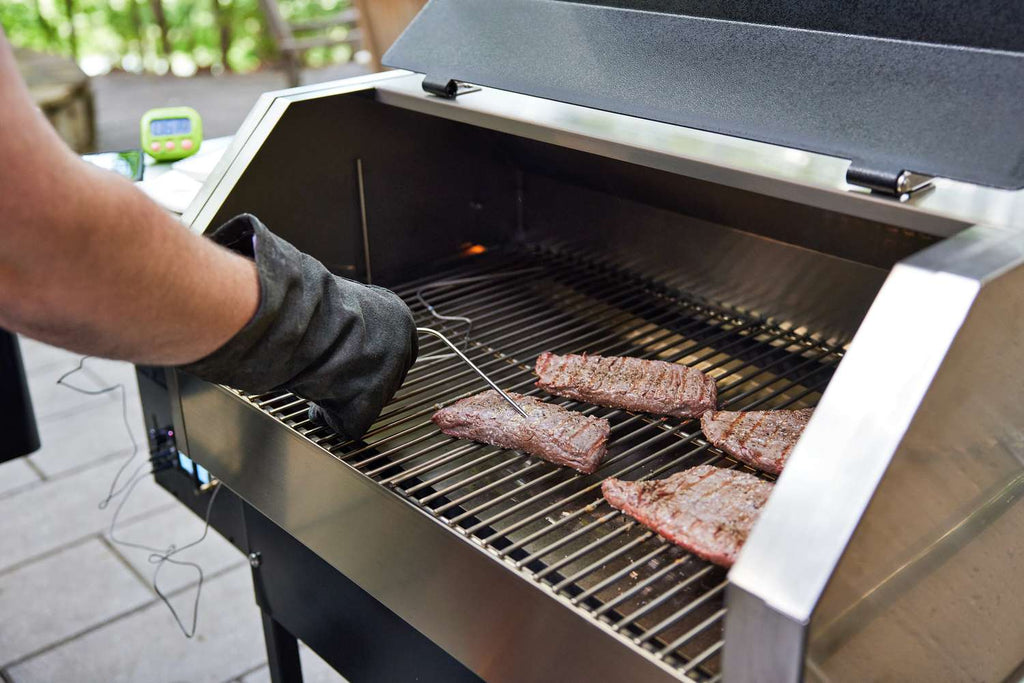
(607, 234)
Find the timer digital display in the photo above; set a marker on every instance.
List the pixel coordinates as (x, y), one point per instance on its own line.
(162, 127)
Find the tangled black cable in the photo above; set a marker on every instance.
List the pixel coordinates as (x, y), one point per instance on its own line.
(62, 381)
(158, 556)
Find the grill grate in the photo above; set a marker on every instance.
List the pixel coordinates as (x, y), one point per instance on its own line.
(550, 523)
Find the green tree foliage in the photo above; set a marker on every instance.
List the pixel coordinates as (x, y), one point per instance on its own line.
(212, 35)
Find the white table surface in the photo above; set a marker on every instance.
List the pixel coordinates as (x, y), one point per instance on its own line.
(174, 185)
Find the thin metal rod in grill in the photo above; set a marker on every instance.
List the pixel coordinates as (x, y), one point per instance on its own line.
(702, 657)
(639, 587)
(613, 578)
(467, 361)
(689, 608)
(696, 630)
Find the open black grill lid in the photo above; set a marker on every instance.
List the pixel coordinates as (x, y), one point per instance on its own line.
(935, 88)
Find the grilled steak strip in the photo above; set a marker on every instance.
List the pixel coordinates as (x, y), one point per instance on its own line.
(760, 438)
(551, 432)
(648, 386)
(707, 510)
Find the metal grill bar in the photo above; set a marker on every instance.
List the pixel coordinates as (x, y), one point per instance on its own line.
(610, 556)
(689, 635)
(703, 656)
(520, 524)
(547, 522)
(633, 566)
(665, 623)
(648, 582)
(535, 516)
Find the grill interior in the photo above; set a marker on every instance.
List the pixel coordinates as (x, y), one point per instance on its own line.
(550, 523)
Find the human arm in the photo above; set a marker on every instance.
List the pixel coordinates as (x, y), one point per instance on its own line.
(89, 263)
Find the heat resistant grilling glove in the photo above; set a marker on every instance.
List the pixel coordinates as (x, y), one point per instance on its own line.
(343, 345)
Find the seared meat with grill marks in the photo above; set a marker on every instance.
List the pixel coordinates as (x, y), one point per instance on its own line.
(707, 510)
(552, 432)
(648, 386)
(760, 438)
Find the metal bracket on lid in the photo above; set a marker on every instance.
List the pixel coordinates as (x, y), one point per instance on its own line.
(899, 184)
(448, 88)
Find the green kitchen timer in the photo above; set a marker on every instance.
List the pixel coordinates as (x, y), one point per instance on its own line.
(171, 133)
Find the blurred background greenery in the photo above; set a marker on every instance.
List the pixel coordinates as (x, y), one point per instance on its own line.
(182, 37)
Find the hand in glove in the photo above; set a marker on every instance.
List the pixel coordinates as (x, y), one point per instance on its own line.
(340, 344)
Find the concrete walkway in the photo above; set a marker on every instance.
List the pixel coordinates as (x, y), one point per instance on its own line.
(222, 101)
(76, 606)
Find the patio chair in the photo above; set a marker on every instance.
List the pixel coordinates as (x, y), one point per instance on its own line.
(316, 33)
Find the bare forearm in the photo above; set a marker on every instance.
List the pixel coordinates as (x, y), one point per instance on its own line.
(89, 263)
(100, 269)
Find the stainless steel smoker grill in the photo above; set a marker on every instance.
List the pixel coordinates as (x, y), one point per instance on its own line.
(544, 521)
(891, 546)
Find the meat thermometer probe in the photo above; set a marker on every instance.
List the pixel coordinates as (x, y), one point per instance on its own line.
(435, 333)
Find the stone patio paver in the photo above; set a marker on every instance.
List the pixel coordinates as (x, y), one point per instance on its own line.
(45, 518)
(15, 475)
(50, 400)
(62, 595)
(83, 437)
(177, 525)
(146, 646)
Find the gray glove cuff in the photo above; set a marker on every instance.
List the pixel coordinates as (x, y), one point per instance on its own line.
(341, 344)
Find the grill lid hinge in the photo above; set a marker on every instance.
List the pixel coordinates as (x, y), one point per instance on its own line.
(448, 88)
(900, 184)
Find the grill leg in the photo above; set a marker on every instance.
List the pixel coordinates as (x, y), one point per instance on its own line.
(282, 652)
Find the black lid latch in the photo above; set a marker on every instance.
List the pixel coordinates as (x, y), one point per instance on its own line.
(448, 88)
(899, 184)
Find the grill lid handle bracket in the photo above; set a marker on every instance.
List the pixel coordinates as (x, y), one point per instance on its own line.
(448, 88)
(899, 184)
